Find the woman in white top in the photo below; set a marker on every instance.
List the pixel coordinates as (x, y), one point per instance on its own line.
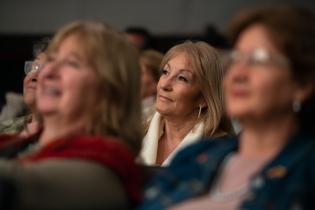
(189, 102)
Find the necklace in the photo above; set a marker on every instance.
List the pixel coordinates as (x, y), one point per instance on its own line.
(237, 193)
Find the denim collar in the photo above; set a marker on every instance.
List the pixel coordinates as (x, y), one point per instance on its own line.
(296, 149)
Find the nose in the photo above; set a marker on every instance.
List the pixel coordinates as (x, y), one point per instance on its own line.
(33, 76)
(237, 71)
(166, 83)
(50, 70)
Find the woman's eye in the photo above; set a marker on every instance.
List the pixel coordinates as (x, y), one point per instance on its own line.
(73, 63)
(182, 78)
(164, 72)
(50, 59)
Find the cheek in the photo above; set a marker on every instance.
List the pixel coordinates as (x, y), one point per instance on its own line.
(227, 92)
(274, 94)
(268, 87)
(158, 85)
(80, 98)
(225, 85)
(89, 89)
(188, 98)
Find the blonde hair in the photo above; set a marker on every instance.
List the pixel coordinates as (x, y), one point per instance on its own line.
(115, 62)
(205, 60)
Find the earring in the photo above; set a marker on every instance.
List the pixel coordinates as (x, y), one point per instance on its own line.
(199, 113)
(296, 106)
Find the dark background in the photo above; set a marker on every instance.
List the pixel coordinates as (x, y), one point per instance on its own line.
(22, 23)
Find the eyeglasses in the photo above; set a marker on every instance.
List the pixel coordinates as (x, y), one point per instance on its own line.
(259, 56)
(31, 66)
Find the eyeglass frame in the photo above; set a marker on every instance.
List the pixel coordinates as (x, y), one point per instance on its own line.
(259, 56)
(32, 66)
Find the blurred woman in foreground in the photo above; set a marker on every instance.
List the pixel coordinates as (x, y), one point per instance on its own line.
(89, 101)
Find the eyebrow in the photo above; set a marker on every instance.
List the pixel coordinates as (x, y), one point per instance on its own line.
(71, 53)
(181, 70)
(76, 55)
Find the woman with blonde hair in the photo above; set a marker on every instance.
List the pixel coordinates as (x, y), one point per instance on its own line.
(89, 102)
(189, 102)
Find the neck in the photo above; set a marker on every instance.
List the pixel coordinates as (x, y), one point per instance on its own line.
(259, 138)
(55, 128)
(177, 129)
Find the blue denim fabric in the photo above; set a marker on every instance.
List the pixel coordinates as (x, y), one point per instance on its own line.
(286, 182)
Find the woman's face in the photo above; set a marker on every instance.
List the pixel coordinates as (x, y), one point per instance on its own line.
(30, 82)
(258, 84)
(178, 93)
(68, 86)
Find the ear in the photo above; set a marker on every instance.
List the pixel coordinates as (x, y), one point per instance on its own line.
(303, 91)
(202, 102)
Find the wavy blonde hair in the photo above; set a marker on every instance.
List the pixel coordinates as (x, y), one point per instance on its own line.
(206, 62)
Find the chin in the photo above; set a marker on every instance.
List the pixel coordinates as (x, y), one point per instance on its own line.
(45, 107)
(28, 100)
(163, 112)
(236, 111)
(44, 111)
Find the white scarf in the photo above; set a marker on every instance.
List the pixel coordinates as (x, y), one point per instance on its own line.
(150, 141)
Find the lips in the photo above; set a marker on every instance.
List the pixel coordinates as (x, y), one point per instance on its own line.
(49, 89)
(52, 91)
(31, 87)
(164, 98)
(239, 93)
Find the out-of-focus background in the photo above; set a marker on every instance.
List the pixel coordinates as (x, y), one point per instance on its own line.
(23, 22)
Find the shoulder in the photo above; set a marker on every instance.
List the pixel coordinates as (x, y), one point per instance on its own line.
(206, 146)
(189, 164)
(12, 125)
(189, 173)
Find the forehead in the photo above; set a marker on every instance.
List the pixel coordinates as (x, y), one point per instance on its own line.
(253, 37)
(72, 43)
(41, 57)
(181, 62)
(179, 59)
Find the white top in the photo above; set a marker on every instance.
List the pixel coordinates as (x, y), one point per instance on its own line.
(150, 141)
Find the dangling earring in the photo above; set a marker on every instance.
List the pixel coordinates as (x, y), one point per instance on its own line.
(296, 106)
(199, 113)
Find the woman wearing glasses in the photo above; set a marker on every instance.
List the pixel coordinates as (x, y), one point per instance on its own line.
(28, 124)
(88, 98)
(269, 89)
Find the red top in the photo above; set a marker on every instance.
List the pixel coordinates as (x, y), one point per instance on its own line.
(106, 151)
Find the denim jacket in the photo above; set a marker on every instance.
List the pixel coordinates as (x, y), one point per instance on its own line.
(286, 182)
